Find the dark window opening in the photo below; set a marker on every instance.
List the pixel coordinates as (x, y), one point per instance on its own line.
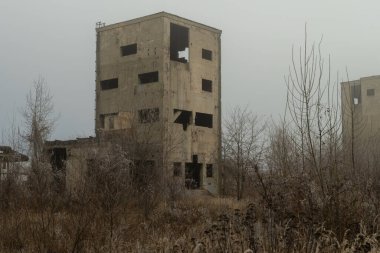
(102, 123)
(193, 175)
(179, 43)
(128, 49)
(209, 170)
(177, 169)
(207, 85)
(203, 119)
(149, 115)
(109, 84)
(58, 163)
(182, 117)
(207, 54)
(371, 92)
(150, 77)
(195, 158)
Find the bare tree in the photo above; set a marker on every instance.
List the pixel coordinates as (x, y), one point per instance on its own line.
(39, 121)
(38, 117)
(242, 145)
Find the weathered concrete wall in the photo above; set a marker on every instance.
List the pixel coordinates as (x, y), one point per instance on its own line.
(361, 117)
(179, 86)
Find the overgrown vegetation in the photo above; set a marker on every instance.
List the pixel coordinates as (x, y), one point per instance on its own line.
(291, 188)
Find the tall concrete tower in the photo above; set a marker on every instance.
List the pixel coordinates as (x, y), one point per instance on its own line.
(160, 76)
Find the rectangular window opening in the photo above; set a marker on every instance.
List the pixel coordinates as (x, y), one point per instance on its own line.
(177, 170)
(207, 85)
(149, 115)
(370, 92)
(203, 119)
(149, 77)
(206, 54)
(109, 84)
(179, 43)
(209, 171)
(128, 49)
(107, 121)
(182, 117)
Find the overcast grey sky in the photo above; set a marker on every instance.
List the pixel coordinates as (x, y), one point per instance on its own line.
(56, 39)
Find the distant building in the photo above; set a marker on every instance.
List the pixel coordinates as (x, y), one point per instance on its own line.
(10, 163)
(361, 118)
(158, 80)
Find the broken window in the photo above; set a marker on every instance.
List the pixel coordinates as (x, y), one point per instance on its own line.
(209, 170)
(109, 84)
(206, 54)
(149, 77)
(356, 91)
(128, 49)
(177, 169)
(203, 119)
(207, 85)
(370, 92)
(182, 117)
(179, 43)
(149, 115)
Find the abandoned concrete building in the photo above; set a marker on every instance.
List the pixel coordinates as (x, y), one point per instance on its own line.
(361, 118)
(158, 83)
(10, 162)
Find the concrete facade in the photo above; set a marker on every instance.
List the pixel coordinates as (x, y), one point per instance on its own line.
(361, 118)
(161, 74)
(158, 82)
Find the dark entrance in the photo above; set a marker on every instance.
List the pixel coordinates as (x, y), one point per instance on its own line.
(193, 175)
(58, 162)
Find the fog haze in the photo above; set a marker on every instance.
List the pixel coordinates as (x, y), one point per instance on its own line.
(56, 40)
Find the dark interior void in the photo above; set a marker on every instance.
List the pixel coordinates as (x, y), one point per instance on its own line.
(184, 117)
(207, 85)
(109, 84)
(179, 42)
(203, 119)
(58, 157)
(206, 54)
(149, 115)
(370, 92)
(209, 170)
(128, 49)
(149, 77)
(193, 175)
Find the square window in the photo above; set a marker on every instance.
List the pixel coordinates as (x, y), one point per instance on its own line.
(370, 92)
(207, 54)
(206, 85)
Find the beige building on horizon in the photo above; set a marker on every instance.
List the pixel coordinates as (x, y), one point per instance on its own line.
(360, 101)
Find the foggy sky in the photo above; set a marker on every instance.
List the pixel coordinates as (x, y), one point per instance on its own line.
(56, 39)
